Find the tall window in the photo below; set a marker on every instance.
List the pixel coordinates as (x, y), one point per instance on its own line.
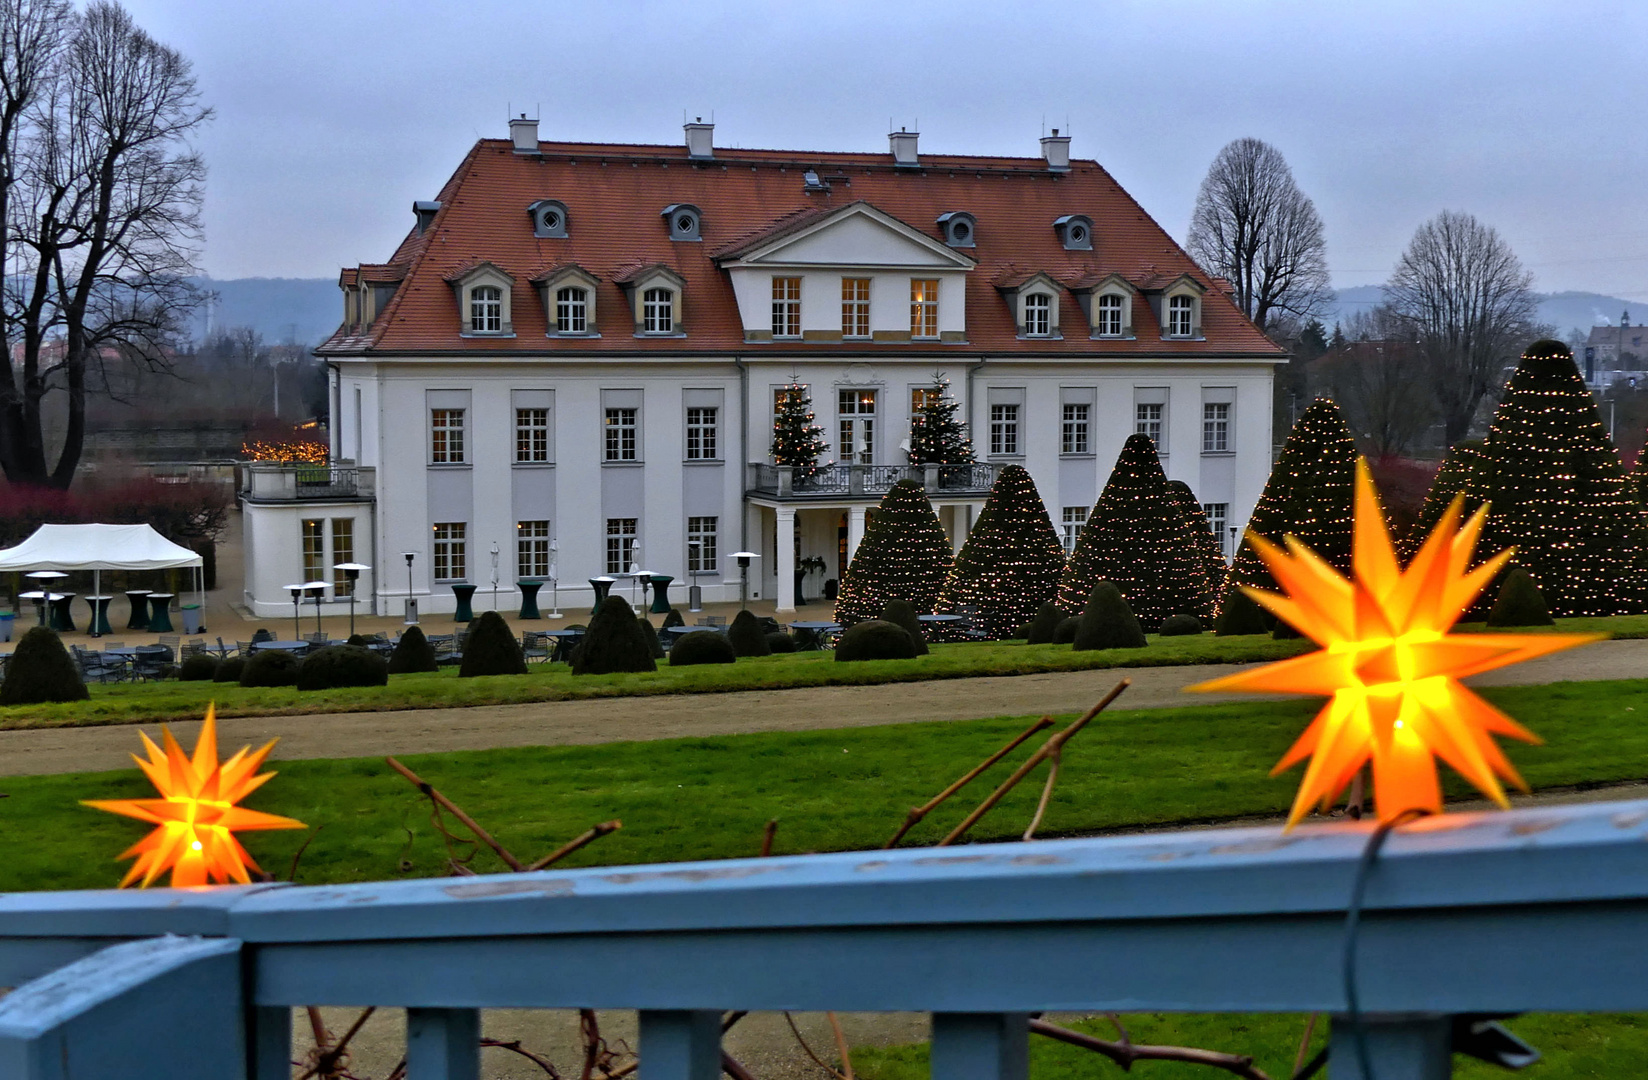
(620, 544)
(855, 411)
(532, 549)
(1147, 420)
(446, 436)
(786, 307)
(343, 550)
(572, 310)
(855, 307)
(450, 548)
(1038, 315)
(486, 309)
(314, 549)
(701, 434)
(701, 548)
(1004, 429)
(1215, 427)
(1218, 516)
(1109, 321)
(658, 311)
(531, 435)
(1070, 528)
(923, 396)
(1178, 316)
(1074, 439)
(923, 308)
(620, 435)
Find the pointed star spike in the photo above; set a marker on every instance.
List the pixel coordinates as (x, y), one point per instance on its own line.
(1517, 648)
(205, 758)
(1461, 592)
(1342, 740)
(1419, 595)
(131, 808)
(239, 819)
(1436, 722)
(180, 772)
(1375, 557)
(1319, 672)
(1320, 590)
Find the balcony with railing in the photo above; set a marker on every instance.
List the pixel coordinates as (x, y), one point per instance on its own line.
(278, 482)
(835, 482)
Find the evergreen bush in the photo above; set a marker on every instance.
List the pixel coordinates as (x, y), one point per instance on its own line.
(1010, 564)
(904, 556)
(614, 642)
(654, 646)
(673, 619)
(41, 670)
(342, 665)
(701, 647)
(491, 649)
(1045, 624)
(229, 670)
(937, 437)
(201, 667)
(412, 653)
(1519, 603)
(270, 667)
(1211, 547)
(747, 636)
(1065, 632)
(359, 640)
(780, 642)
(1107, 622)
(1180, 626)
(1021, 634)
(875, 639)
(902, 614)
(1240, 614)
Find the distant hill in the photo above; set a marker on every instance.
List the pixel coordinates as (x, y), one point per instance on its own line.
(1563, 310)
(301, 311)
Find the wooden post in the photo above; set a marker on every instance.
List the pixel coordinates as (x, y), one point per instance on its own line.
(1398, 1048)
(679, 1044)
(980, 1046)
(443, 1044)
(269, 1041)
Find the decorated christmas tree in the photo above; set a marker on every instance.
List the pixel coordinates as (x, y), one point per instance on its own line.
(1137, 538)
(936, 436)
(1639, 478)
(1308, 495)
(904, 556)
(797, 441)
(1558, 492)
(1011, 562)
(1455, 476)
(1213, 556)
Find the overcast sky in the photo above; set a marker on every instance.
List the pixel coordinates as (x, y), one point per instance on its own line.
(333, 117)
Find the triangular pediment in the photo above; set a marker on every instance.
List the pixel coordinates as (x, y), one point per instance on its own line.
(855, 235)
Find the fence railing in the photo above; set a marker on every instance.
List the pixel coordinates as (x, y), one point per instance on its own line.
(270, 482)
(1540, 909)
(785, 482)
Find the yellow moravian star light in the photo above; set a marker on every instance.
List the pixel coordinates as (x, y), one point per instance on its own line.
(196, 817)
(1388, 664)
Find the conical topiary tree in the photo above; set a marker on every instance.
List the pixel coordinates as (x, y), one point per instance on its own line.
(1639, 478)
(490, 648)
(1010, 565)
(904, 556)
(41, 670)
(936, 436)
(1106, 622)
(614, 642)
(1137, 538)
(747, 636)
(1213, 556)
(1558, 492)
(1455, 477)
(900, 613)
(413, 653)
(1045, 626)
(1519, 602)
(797, 441)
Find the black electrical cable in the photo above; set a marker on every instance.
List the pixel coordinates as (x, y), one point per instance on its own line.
(1353, 922)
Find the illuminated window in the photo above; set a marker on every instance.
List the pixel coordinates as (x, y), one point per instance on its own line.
(1108, 322)
(450, 547)
(856, 412)
(1218, 515)
(1215, 428)
(343, 551)
(1074, 435)
(620, 440)
(486, 309)
(658, 311)
(701, 548)
(1038, 315)
(1074, 518)
(532, 549)
(446, 436)
(1178, 316)
(923, 308)
(314, 549)
(531, 435)
(701, 433)
(786, 307)
(572, 310)
(855, 307)
(1004, 429)
(620, 544)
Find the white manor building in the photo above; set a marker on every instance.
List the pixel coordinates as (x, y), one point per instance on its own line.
(570, 366)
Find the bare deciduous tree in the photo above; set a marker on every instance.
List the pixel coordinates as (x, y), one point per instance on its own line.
(103, 198)
(1467, 299)
(1378, 380)
(1253, 226)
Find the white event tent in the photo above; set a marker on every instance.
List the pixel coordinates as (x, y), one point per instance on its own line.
(102, 547)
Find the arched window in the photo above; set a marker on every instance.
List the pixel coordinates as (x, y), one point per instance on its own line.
(1038, 315)
(1178, 316)
(572, 310)
(1110, 315)
(486, 309)
(658, 311)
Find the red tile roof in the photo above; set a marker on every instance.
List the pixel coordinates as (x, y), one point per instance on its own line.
(614, 195)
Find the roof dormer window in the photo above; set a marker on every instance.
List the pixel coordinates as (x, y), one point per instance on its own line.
(549, 219)
(1181, 308)
(486, 310)
(959, 228)
(569, 298)
(483, 294)
(1075, 232)
(1038, 315)
(684, 221)
(658, 311)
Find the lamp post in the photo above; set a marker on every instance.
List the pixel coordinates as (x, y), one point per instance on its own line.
(351, 572)
(744, 559)
(634, 567)
(297, 598)
(554, 578)
(494, 575)
(411, 616)
(1233, 531)
(315, 589)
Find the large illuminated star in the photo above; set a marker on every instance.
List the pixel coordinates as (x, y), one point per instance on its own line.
(196, 817)
(1388, 664)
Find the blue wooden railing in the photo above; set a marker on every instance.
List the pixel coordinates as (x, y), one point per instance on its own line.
(1540, 909)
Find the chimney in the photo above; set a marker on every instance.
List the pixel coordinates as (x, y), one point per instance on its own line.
(524, 132)
(425, 212)
(700, 140)
(1055, 149)
(903, 144)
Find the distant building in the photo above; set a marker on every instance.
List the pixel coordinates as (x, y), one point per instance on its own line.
(1616, 353)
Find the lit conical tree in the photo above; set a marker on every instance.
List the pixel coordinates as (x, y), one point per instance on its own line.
(1559, 494)
(904, 556)
(1011, 562)
(1639, 478)
(1453, 478)
(797, 441)
(1213, 556)
(1137, 538)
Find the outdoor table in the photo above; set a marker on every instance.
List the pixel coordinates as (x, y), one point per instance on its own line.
(62, 618)
(99, 624)
(529, 598)
(160, 612)
(602, 585)
(41, 599)
(132, 652)
(464, 613)
(140, 609)
(660, 593)
(281, 646)
(565, 640)
(815, 629)
(939, 621)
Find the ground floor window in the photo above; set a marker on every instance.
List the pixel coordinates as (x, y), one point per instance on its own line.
(620, 543)
(314, 549)
(343, 551)
(702, 556)
(1074, 518)
(532, 549)
(451, 550)
(1217, 515)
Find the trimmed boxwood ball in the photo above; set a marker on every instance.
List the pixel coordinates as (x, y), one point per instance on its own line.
(701, 647)
(229, 670)
(747, 636)
(342, 665)
(41, 670)
(1240, 614)
(780, 642)
(651, 634)
(1022, 633)
(1045, 625)
(412, 653)
(270, 667)
(1519, 603)
(614, 642)
(1108, 623)
(1065, 632)
(491, 649)
(875, 639)
(201, 667)
(1180, 626)
(673, 619)
(900, 612)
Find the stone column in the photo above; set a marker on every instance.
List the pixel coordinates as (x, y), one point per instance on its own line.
(855, 530)
(784, 565)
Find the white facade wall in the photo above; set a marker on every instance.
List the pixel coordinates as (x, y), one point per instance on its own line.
(273, 552)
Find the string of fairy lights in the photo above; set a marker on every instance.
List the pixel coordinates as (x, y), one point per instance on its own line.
(797, 441)
(904, 555)
(1011, 562)
(937, 437)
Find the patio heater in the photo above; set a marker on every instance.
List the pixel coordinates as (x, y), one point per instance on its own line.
(297, 598)
(352, 572)
(554, 578)
(411, 605)
(315, 589)
(744, 558)
(1234, 531)
(695, 593)
(634, 567)
(494, 575)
